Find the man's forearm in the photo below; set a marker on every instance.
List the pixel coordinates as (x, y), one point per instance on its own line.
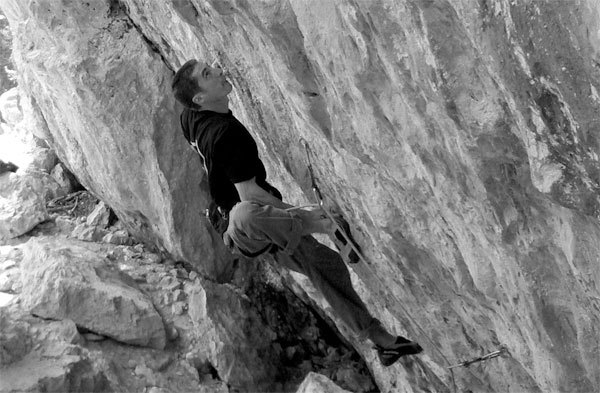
(268, 199)
(250, 191)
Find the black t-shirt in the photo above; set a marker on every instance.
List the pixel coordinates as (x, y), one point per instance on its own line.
(228, 151)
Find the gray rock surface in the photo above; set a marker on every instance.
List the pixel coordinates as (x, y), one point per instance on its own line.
(317, 383)
(212, 345)
(87, 233)
(173, 218)
(10, 107)
(44, 184)
(239, 348)
(99, 216)
(118, 237)
(459, 138)
(43, 159)
(21, 207)
(71, 282)
(44, 356)
(63, 177)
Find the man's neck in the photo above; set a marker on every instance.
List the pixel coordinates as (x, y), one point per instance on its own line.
(220, 106)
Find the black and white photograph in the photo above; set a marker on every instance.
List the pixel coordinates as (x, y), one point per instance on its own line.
(300, 196)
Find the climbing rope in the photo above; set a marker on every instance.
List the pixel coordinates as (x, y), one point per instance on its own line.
(321, 203)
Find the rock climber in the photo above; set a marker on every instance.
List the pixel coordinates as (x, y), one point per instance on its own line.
(249, 213)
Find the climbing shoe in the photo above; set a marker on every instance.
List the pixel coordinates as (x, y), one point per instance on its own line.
(345, 249)
(402, 347)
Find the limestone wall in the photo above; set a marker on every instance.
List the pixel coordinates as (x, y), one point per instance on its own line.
(459, 137)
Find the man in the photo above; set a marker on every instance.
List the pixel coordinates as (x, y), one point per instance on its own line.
(259, 221)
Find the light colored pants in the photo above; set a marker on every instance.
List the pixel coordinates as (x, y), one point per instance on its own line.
(254, 227)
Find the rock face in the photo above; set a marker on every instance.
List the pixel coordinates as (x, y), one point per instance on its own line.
(71, 283)
(317, 383)
(239, 347)
(218, 338)
(21, 207)
(9, 107)
(164, 204)
(458, 137)
(43, 356)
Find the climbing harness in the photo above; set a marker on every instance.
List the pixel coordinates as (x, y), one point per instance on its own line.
(321, 203)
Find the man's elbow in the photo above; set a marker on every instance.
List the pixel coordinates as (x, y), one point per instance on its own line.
(247, 189)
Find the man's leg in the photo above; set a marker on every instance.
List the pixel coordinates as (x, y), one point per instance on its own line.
(253, 227)
(328, 273)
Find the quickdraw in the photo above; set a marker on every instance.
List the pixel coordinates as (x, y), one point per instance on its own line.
(502, 351)
(321, 203)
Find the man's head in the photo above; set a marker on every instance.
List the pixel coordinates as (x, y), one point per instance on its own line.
(200, 86)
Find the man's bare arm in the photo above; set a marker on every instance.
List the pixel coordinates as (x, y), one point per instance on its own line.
(250, 191)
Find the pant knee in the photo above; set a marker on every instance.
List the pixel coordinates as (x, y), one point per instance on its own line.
(243, 213)
(265, 223)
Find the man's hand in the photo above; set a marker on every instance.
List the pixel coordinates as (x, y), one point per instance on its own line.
(250, 191)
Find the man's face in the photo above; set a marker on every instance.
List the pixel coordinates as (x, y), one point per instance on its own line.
(212, 82)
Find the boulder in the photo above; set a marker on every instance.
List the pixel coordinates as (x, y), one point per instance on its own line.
(88, 233)
(42, 159)
(10, 106)
(45, 185)
(15, 339)
(65, 224)
(100, 216)
(120, 238)
(318, 383)
(64, 178)
(72, 282)
(8, 279)
(21, 207)
(43, 356)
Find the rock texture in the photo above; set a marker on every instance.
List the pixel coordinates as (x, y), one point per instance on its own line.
(39, 356)
(21, 207)
(458, 137)
(239, 347)
(163, 203)
(10, 108)
(71, 282)
(317, 383)
(218, 339)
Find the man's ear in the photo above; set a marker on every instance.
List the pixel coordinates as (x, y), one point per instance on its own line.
(198, 99)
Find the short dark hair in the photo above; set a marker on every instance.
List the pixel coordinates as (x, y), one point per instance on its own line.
(184, 86)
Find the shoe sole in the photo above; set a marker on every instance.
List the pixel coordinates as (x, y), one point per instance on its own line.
(390, 356)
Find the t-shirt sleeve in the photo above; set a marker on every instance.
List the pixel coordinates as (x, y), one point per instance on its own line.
(236, 154)
(184, 127)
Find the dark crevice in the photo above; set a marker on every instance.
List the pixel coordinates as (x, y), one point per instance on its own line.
(307, 340)
(38, 316)
(212, 371)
